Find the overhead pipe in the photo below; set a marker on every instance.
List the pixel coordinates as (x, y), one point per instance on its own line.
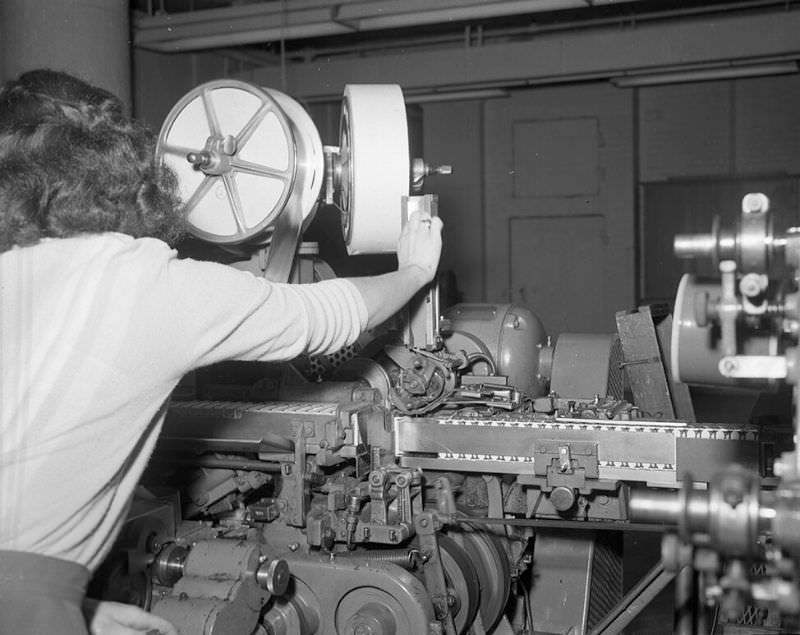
(267, 22)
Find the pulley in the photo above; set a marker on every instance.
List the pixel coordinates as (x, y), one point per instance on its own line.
(242, 154)
(247, 157)
(374, 167)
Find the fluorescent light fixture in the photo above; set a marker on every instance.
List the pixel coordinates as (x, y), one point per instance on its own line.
(704, 74)
(455, 95)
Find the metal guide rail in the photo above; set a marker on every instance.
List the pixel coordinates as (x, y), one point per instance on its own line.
(653, 452)
(268, 428)
(646, 451)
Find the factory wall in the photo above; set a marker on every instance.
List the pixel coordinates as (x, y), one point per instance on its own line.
(161, 80)
(580, 188)
(549, 205)
(701, 148)
(565, 198)
(453, 135)
(722, 128)
(86, 38)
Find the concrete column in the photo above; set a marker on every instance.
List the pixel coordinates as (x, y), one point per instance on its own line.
(87, 38)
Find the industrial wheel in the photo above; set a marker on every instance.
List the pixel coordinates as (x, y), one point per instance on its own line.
(114, 582)
(368, 609)
(242, 155)
(486, 552)
(375, 171)
(124, 575)
(462, 578)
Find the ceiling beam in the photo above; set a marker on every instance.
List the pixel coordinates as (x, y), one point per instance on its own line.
(718, 41)
(275, 21)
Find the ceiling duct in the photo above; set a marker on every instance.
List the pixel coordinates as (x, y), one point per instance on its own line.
(275, 21)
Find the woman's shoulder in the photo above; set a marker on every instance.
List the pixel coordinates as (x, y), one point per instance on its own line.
(113, 244)
(104, 250)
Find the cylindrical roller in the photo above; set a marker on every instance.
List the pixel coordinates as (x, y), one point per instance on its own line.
(655, 506)
(375, 167)
(686, 509)
(695, 245)
(751, 243)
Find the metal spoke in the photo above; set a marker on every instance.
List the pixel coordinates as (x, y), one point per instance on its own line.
(248, 167)
(211, 114)
(236, 202)
(250, 127)
(199, 193)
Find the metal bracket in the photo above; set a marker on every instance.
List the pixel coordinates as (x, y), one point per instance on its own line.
(426, 525)
(566, 463)
(421, 329)
(293, 492)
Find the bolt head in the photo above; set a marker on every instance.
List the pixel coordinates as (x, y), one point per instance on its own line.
(562, 498)
(754, 203)
(728, 366)
(277, 577)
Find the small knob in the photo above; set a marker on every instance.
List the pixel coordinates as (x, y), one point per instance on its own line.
(755, 203)
(563, 498)
(420, 169)
(199, 159)
(274, 576)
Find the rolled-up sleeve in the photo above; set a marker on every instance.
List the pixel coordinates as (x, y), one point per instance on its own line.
(220, 313)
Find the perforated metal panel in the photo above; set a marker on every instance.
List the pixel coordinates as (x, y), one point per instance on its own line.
(606, 580)
(322, 366)
(616, 376)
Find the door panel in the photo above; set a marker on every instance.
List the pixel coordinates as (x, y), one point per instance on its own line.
(556, 281)
(559, 194)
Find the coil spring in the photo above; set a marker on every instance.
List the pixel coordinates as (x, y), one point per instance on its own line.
(406, 558)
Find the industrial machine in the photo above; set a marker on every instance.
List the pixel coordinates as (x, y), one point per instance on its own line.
(457, 472)
(733, 540)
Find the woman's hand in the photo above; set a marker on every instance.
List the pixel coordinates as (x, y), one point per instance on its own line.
(420, 244)
(113, 618)
(418, 251)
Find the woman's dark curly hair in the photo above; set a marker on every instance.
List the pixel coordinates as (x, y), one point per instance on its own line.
(72, 163)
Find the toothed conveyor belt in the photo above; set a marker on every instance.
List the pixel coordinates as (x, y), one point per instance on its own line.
(652, 452)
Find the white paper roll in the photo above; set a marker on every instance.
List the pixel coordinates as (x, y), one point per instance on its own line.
(375, 167)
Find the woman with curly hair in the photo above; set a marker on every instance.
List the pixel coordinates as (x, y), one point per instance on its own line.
(99, 320)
